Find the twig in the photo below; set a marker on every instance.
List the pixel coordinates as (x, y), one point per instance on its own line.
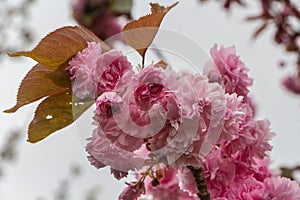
(203, 193)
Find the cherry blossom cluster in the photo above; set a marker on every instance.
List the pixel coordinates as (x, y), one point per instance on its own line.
(162, 123)
(283, 16)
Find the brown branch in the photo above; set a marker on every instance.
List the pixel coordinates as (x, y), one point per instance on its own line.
(203, 193)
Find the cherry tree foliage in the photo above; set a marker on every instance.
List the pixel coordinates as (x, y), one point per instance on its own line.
(184, 135)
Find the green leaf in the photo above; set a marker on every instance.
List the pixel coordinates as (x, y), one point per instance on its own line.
(55, 113)
(121, 6)
(60, 46)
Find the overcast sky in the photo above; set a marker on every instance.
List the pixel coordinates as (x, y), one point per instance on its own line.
(41, 166)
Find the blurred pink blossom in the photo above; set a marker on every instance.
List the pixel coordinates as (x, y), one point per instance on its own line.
(292, 83)
(97, 16)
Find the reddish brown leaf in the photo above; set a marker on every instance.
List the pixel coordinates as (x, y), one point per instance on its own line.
(61, 45)
(35, 86)
(161, 64)
(59, 77)
(48, 79)
(55, 113)
(140, 33)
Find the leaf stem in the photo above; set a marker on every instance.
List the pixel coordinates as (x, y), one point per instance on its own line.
(143, 62)
(203, 193)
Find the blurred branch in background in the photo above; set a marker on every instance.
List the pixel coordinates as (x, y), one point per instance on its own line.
(283, 16)
(63, 189)
(8, 150)
(93, 193)
(290, 172)
(15, 32)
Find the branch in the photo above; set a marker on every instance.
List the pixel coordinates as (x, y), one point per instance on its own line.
(203, 193)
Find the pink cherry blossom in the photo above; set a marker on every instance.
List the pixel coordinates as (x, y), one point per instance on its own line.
(132, 192)
(81, 71)
(109, 107)
(96, 163)
(113, 72)
(93, 73)
(150, 87)
(167, 188)
(187, 181)
(238, 117)
(182, 122)
(252, 104)
(219, 171)
(244, 170)
(147, 94)
(225, 174)
(227, 69)
(116, 173)
(102, 150)
(261, 169)
(282, 188)
(252, 142)
(159, 116)
(247, 189)
(204, 107)
(143, 114)
(256, 142)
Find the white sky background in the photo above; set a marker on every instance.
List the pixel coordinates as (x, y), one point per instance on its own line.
(41, 166)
